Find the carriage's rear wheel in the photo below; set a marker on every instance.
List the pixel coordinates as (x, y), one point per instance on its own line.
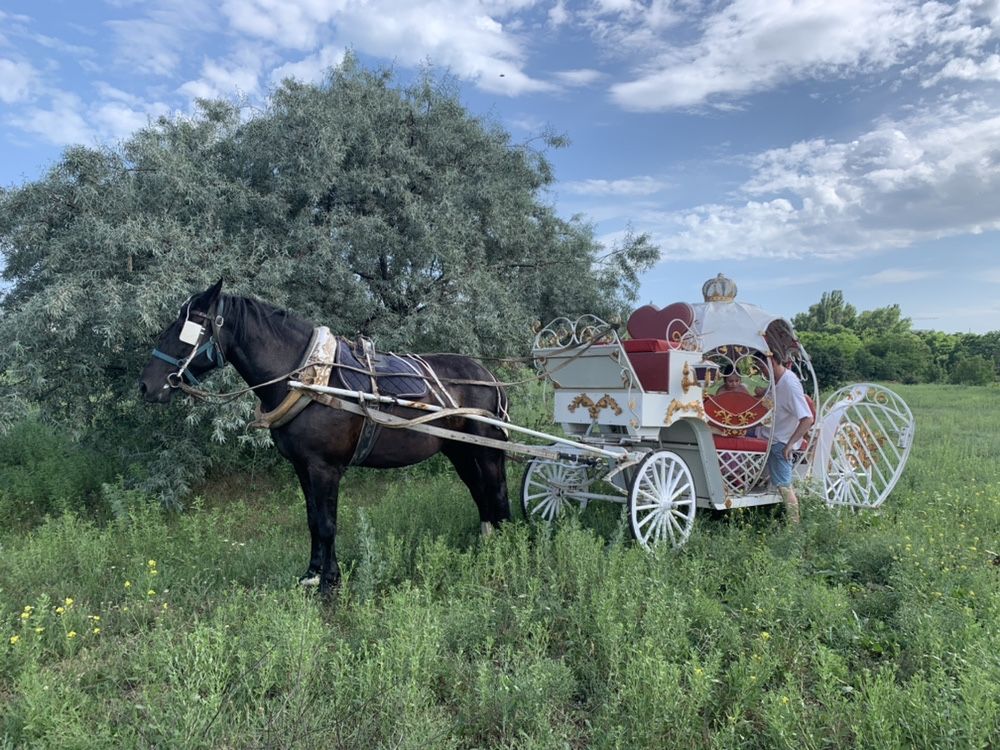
(661, 500)
(550, 486)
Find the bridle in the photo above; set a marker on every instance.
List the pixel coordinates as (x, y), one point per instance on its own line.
(192, 332)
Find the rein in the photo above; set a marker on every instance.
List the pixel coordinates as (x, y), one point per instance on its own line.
(215, 355)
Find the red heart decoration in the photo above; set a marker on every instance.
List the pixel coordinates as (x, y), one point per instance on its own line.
(670, 323)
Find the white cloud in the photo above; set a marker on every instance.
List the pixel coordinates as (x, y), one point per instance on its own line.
(894, 276)
(753, 45)
(67, 119)
(579, 77)
(238, 75)
(643, 185)
(291, 23)
(310, 69)
(468, 38)
(967, 69)
(18, 81)
(62, 123)
(934, 175)
(158, 43)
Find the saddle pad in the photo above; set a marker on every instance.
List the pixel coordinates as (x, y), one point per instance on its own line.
(396, 376)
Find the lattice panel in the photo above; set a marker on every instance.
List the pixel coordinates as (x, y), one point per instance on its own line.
(741, 470)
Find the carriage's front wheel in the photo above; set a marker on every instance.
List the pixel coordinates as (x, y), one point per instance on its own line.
(662, 500)
(550, 486)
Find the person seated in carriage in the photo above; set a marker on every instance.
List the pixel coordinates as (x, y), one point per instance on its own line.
(732, 382)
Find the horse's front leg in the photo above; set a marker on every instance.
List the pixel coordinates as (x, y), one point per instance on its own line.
(325, 486)
(312, 575)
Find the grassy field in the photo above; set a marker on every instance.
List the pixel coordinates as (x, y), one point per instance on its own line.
(874, 630)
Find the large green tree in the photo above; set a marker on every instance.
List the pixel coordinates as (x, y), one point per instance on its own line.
(364, 205)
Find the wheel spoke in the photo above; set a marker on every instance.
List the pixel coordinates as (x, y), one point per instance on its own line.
(649, 517)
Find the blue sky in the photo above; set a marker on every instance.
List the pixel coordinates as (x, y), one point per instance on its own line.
(797, 146)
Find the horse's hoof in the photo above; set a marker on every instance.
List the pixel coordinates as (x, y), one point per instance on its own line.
(309, 579)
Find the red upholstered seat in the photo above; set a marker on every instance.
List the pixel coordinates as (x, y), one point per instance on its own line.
(731, 443)
(648, 345)
(654, 333)
(734, 411)
(650, 359)
(670, 323)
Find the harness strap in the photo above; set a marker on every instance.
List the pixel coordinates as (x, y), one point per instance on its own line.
(317, 364)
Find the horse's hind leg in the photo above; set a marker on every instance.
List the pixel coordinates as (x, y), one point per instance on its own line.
(483, 470)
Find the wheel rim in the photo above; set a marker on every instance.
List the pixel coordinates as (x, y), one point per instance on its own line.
(549, 487)
(662, 501)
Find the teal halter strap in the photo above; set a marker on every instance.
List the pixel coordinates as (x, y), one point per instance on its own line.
(210, 348)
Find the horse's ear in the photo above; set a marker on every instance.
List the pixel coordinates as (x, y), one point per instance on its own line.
(213, 293)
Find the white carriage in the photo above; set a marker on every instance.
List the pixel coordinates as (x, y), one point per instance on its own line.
(651, 428)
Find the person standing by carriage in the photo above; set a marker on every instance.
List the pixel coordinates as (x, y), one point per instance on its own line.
(792, 420)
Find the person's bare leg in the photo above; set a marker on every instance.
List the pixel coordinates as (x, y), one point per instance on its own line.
(791, 503)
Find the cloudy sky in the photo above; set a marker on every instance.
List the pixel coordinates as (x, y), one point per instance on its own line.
(796, 145)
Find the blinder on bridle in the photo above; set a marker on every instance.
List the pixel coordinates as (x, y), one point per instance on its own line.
(192, 333)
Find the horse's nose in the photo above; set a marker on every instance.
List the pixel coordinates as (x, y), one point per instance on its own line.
(142, 388)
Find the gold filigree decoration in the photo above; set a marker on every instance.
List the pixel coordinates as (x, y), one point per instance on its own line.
(676, 406)
(861, 446)
(688, 379)
(594, 409)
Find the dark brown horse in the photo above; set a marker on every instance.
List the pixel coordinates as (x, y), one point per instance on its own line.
(264, 343)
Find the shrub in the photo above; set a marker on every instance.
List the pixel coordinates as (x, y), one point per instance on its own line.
(974, 370)
(44, 471)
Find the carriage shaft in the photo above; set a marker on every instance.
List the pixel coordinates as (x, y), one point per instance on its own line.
(396, 421)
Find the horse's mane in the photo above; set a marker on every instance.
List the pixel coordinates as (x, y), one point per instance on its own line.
(250, 313)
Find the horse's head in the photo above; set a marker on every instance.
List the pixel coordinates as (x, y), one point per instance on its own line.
(187, 349)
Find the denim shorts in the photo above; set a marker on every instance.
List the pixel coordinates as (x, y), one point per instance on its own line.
(779, 467)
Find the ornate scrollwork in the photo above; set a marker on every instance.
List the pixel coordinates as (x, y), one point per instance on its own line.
(595, 408)
(675, 406)
(563, 332)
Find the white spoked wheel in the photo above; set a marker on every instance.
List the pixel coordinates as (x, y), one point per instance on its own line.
(662, 500)
(550, 486)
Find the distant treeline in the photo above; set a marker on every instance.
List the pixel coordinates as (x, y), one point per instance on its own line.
(880, 344)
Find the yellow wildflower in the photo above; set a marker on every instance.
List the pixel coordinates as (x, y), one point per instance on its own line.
(165, 605)
(14, 639)
(128, 584)
(69, 602)
(151, 563)
(154, 572)
(28, 608)
(95, 618)
(60, 610)
(39, 630)
(784, 700)
(71, 634)
(25, 615)
(97, 631)
(151, 593)
(764, 635)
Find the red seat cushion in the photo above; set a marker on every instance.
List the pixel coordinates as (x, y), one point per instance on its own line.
(670, 323)
(729, 443)
(647, 345)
